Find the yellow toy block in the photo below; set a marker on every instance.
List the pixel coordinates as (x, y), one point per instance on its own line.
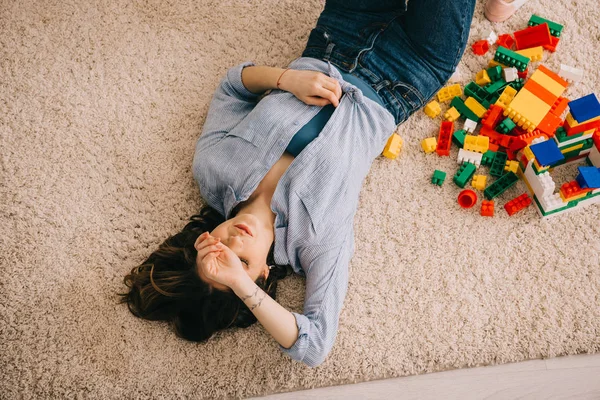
(452, 114)
(533, 53)
(574, 123)
(429, 145)
(547, 83)
(527, 110)
(494, 63)
(482, 78)
(479, 143)
(539, 167)
(508, 94)
(433, 109)
(393, 146)
(528, 153)
(475, 106)
(449, 92)
(512, 166)
(573, 148)
(478, 182)
(568, 199)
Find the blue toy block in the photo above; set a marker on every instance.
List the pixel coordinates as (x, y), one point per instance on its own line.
(588, 177)
(547, 153)
(584, 108)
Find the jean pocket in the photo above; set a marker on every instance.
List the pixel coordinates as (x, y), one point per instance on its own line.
(409, 94)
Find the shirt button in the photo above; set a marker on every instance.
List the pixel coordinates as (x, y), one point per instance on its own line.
(296, 122)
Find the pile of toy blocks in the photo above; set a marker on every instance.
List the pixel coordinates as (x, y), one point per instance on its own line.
(514, 125)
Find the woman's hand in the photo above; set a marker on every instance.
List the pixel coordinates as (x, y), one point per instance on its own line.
(312, 87)
(218, 262)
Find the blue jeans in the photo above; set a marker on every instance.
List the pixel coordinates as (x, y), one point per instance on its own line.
(406, 52)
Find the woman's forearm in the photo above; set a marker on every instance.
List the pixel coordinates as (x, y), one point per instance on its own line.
(278, 321)
(260, 78)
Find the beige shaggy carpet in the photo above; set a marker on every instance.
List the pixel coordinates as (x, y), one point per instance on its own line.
(101, 105)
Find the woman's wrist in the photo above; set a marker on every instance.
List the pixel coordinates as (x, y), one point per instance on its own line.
(260, 78)
(244, 286)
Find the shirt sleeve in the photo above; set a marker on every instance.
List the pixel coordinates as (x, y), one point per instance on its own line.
(230, 104)
(326, 286)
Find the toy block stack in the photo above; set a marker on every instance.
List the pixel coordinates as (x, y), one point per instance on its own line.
(513, 124)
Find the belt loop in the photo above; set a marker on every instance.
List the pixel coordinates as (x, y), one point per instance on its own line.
(328, 51)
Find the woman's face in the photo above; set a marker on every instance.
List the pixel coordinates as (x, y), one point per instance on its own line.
(252, 250)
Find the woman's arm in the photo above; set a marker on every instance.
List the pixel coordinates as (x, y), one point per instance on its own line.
(278, 321)
(260, 78)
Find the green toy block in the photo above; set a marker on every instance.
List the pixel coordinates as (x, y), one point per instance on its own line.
(555, 29)
(517, 84)
(478, 93)
(510, 58)
(506, 126)
(463, 109)
(488, 157)
(501, 184)
(438, 177)
(464, 173)
(494, 87)
(561, 135)
(458, 138)
(497, 167)
(495, 73)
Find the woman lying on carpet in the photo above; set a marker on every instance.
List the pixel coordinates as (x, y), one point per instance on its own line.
(281, 175)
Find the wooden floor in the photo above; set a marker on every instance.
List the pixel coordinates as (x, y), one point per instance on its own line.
(570, 377)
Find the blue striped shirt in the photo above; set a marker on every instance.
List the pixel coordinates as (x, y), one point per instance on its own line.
(316, 198)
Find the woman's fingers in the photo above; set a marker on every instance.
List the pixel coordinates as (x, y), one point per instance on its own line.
(329, 95)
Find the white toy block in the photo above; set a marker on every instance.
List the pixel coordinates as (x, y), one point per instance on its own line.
(509, 74)
(491, 38)
(570, 74)
(594, 156)
(469, 156)
(542, 184)
(470, 125)
(577, 140)
(538, 140)
(551, 202)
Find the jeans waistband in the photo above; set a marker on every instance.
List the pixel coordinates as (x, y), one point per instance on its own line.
(362, 85)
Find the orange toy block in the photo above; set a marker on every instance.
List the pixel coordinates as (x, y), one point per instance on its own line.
(487, 208)
(572, 191)
(517, 204)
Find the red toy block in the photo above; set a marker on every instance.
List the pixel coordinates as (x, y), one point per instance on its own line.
(494, 147)
(517, 145)
(523, 74)
(549, 124)
(552, 47)
(571, 189)
(538, 35)
(580, 128)
(529, 136)
(596, 138)
(481, 47)
(492, 117)
(505, 41)
(517, 204)
(487, 208)
(444, 138)
(559, 106)
(467, 198)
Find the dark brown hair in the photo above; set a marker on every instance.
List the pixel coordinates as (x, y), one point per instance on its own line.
(166, 286)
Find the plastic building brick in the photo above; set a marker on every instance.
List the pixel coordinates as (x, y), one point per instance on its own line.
(474, 106)
(552, 46)
(533, 53)
(572, 127)
(502, 184)
(449, 92)
(480, 47)
(488, 157)
(572, 191)
(438, 177)
(433, 109)
(512, 166)
(522, 74)
(588, 177)
(463, 109)
(444, 138)
(506, 97)
(511, 59)
(495, 87)
(492, 117)
(585, 108)
(464, 173)
(469, 125)
(467, 198)
(479, 181)
(506, 41)
(570, 74)
(487, 208)
(479, 143)
(594, 157)
(494, 63)
(393, 146)
(547, 152)
(555, 29)
(517, 204)
(497, 167)
(491, 38)
(542, 184)
(538, 35)
(517, 83)
(509, 74)
(478, 93)
(494, 73)
(452, 114)
(458, 138)
(429, 145)
(469, 156)
(505, 126)
(482, 78)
